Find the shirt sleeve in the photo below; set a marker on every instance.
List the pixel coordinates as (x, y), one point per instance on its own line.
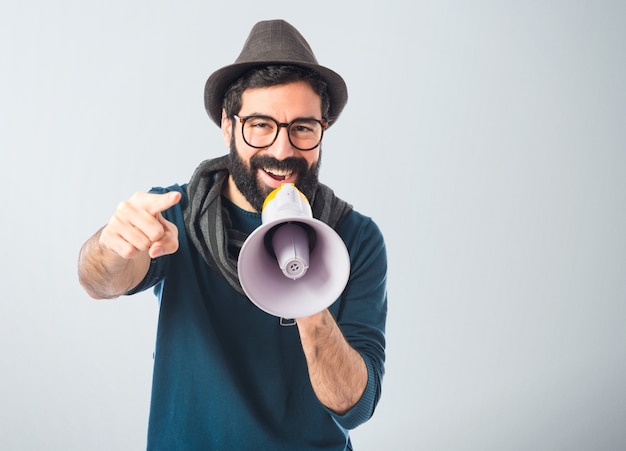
(361, 312)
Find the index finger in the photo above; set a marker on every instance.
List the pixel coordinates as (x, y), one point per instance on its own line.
(155, 203)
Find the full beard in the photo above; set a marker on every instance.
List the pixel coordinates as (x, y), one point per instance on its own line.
(246, 178)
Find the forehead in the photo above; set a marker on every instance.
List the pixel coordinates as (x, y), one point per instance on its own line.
(292, 100)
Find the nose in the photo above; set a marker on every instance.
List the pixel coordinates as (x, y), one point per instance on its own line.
(282, 148)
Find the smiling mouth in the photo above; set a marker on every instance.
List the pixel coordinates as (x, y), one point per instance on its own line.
(278, 174)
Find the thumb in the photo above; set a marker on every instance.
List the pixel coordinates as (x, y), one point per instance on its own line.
(168, 243)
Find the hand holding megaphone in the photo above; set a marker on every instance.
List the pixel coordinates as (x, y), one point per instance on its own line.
(293, 265)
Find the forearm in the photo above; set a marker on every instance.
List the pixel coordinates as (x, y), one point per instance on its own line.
(337, 371)
(104, 274)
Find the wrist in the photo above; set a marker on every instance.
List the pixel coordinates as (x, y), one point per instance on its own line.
(315, 320)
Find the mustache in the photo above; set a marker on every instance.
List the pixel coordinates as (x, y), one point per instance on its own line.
(293, 164)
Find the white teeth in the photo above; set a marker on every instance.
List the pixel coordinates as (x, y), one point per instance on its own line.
(280, 173)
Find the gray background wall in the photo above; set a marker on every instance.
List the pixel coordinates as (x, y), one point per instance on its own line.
(486, 138)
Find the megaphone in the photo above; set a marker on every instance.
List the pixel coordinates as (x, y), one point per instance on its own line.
(292, 265)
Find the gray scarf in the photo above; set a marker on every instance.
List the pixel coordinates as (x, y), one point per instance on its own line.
(208, 223)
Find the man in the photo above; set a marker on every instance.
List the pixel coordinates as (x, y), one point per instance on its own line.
(226, 374)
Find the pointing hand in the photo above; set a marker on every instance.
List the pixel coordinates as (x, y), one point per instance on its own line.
(138, 226)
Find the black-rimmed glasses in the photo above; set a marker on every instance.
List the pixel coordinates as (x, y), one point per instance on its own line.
(261, 131)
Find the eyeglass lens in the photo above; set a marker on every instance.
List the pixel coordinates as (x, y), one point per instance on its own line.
(262, 131)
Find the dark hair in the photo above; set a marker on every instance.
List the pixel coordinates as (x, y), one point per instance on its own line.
(266, 76)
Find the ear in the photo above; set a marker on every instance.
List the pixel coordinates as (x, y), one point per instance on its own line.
(227, 128)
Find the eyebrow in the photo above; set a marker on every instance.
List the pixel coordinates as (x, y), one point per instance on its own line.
(313, 118)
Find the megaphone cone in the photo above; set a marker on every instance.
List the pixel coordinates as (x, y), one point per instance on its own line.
(293, 265)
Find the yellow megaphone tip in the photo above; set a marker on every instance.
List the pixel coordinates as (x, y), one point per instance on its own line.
(271, 196)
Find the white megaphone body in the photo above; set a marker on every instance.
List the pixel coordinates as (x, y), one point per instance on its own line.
(293, 265)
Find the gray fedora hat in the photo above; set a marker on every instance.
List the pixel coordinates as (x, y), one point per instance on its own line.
(273, 42)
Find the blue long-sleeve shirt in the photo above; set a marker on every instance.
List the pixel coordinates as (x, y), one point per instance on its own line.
(229, 376)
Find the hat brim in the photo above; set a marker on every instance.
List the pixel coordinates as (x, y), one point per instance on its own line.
(221, 79)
